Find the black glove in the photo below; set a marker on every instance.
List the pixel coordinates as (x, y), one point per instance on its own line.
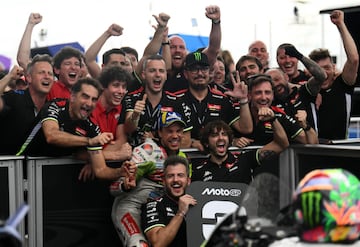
(292, 52)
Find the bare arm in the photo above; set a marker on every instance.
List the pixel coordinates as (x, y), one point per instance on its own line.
(23, 54)
(154, 45)
(94, 49)
(120, 149)
(350, 69)
(240, 92)
(15, 73)
(310, 133)
(102, 171)
(213, 13)
(318, 74)
(163, 236)
(280, 141)
(55, 136)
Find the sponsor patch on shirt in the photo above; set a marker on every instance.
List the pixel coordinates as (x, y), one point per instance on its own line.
(80, 131)
(214, 107)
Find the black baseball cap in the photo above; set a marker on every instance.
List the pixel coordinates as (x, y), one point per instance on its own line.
(194, 58)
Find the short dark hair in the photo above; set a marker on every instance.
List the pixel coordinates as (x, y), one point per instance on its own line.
(173, 160)
(130, 50)
(257, 79)
(66, 53)
(150, 58)
(113, 73)
(320, 54)
(250, 58)
(39, 58)
(107, 54)
(86, 81)
(210, 128)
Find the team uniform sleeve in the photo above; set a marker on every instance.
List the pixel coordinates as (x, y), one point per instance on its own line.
(230, 113)
(50, 112)
(152, 215)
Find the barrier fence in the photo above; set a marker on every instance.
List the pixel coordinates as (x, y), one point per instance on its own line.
(67, 212)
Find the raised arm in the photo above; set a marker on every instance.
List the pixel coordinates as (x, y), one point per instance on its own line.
(318, 74)
(15, 73)
(154, 45)
(240, 93)
(94, 49)
(213, 13)
(350, 69)
(23, 54)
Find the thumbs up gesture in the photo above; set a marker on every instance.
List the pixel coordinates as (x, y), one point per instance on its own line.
(139, 108)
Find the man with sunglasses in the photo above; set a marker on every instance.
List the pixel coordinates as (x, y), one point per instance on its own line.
(200, 104)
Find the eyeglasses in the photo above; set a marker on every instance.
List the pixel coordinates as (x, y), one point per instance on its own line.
(196, 69)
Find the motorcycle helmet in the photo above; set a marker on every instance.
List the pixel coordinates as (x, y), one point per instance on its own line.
(327, 206)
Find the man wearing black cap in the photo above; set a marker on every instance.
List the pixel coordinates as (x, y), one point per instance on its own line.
(199, 104)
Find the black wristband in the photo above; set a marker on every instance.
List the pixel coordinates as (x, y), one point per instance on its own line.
(165, 43)
(216, 21)
(307, 128)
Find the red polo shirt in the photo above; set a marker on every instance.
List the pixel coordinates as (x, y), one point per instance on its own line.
(59, 90)
(107, 121)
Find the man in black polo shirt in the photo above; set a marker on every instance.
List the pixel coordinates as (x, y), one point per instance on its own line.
(65, 129)
(199, 104)
(19, 108)
(334, 105)
(163, 219)
(225, 166)
(261, 96)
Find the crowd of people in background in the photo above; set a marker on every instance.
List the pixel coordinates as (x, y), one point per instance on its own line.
(69, 104)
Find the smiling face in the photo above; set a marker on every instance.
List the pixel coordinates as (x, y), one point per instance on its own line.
(69, 71)
(176, 180)
(178, 51)
(114, 93)
(219, 72)
(261, 95)
(171, 137)
(287, 64)
(83, 102)
(281, 86)
(248, 68)
(154, 75)
(258, 50)
(41, 77)
(198, 76)
(218, 143)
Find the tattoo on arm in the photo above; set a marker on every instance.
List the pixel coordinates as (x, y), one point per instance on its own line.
(266, 155)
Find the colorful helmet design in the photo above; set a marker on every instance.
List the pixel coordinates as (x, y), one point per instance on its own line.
(327, 206)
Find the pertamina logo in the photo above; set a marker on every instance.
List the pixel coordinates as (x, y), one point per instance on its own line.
(221, 192)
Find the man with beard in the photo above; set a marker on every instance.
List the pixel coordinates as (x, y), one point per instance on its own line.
(225, 166)
(261, 96)
(65, 129)
(149, 157)
(293, 98)
(200, 104)
(164, 218)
